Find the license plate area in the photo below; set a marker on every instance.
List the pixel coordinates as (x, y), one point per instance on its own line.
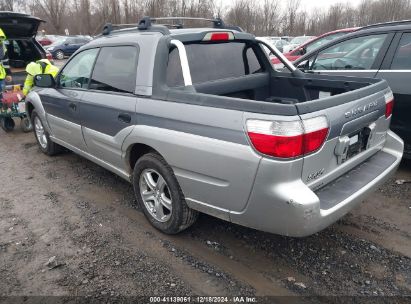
(354, 143)
(358, 142)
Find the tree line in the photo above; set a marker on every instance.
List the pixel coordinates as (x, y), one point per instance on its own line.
(263, 17)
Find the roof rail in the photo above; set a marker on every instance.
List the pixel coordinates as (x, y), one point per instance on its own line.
(217, 22)
(146, 24)
(143, 25)
(392, 23)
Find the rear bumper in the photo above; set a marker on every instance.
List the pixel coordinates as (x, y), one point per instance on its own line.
(293, 209)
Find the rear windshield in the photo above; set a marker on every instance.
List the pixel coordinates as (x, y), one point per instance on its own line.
(210, 62)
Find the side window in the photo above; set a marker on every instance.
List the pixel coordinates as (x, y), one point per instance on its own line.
(353, 54)
(115, 69)
(76, 74)
(402, 57)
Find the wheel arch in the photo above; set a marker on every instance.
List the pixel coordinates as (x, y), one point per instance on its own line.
(33, 102)
(135, 151)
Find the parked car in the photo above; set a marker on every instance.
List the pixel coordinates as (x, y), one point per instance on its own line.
(296, 42)
(278, 43)
(199, 121)
(44, 40)
(312, 45)
(66, 46)
(22, 46)
(287, 38)
(377, 51)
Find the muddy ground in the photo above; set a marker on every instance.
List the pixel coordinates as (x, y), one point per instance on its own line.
(71, 209)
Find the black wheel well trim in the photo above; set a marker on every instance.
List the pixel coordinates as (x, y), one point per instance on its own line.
(136, 151)
(30, 108)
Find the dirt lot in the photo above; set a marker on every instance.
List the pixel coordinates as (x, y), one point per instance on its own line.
(69, 208)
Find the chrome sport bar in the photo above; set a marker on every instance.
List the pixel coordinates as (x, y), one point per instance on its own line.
(184, 61)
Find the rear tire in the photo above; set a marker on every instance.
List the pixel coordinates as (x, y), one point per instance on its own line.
(7, 124)
(163, 204)
(43, 137)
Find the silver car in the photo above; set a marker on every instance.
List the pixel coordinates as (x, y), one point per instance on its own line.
(199, 121)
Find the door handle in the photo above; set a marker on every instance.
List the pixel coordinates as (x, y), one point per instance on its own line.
(124, 117)
(73, 106)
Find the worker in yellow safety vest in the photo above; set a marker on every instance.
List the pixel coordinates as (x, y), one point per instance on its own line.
(42, 66)
(5, 73)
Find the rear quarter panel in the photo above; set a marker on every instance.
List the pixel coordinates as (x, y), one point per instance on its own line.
(207, 149)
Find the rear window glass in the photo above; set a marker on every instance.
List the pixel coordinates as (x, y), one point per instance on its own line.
(402, 58)
(209, 62)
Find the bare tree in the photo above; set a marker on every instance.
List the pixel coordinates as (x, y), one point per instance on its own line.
(264, 17)
(55, 11)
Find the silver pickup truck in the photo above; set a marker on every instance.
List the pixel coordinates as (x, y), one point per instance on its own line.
(198, 120)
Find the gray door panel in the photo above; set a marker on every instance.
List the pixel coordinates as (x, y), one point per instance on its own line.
(105, 124)
(62, 108)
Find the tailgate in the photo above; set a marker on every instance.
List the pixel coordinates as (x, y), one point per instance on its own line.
(357, 130)
(18, 25)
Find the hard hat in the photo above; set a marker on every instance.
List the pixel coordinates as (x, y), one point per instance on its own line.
(33, 69)
(2, 34)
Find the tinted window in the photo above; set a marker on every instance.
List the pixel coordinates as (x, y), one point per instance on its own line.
(76, 74)
(115, 69)
(321, 41)
(210, 62)
(353, 54)
(402, 58)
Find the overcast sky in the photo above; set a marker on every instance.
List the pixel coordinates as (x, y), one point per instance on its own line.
(325, 3)
(307, 4)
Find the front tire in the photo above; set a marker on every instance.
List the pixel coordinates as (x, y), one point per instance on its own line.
(26, 125)
(43, 137)
(59, 55)
(159, 195)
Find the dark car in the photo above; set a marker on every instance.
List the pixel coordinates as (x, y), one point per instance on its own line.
(377, 51)
(22, 46)
(66, 46)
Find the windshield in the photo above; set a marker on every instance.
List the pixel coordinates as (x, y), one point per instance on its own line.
(301, 40)
(58, 42)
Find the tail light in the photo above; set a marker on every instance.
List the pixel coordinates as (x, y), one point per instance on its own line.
(288, 139)
(389, 104)
(219, 36)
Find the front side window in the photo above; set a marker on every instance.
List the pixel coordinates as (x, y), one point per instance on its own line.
(402, 57)
(76, 74)
(115, 70)
(210, 62)
(353, 54)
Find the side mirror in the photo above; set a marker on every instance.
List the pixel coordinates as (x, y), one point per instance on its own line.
(303, 51)
(44, 81)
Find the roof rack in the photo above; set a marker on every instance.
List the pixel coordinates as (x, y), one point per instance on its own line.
(146, 24)
(392, 23)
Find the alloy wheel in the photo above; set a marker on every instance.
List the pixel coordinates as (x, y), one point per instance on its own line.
(156, 195)
(40, 133)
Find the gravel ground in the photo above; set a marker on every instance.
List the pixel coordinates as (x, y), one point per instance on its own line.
(69, 227)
